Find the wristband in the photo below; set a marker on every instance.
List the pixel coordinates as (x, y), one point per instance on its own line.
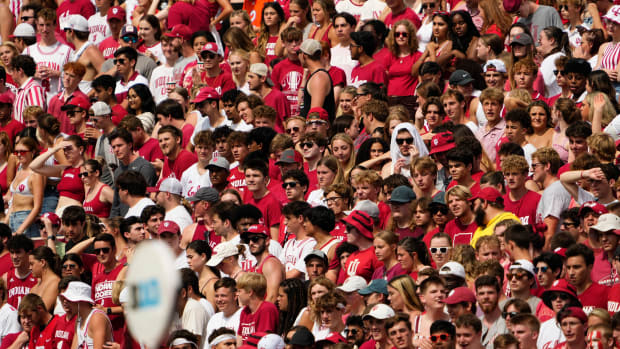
(52, 237)
(109, 311)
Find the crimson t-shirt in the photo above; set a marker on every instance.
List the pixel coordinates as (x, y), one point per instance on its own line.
(187, 130)
(270, 207)
(17, 288)
(400, 80)
(101, 293)
(313, 180)
(236, 178)
(461, 234)
(595, 296)
(108, 47)
(525, 208)
(118, 113)
(613, 303)
(5, 263)
(264, 319)
(371, 72)
(64, 331)
(340, 231)
(150, 150)
(338, 76)
(286, 77)
(278, 101)
(12, 128)
(361, 263)
(43, 338)
(176, 167)
(407, 14)
(221, 83)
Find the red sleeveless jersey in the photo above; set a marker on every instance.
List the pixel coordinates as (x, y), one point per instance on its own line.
(18, 288)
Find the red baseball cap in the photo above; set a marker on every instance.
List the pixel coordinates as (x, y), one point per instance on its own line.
(117, 12)
(169, 227)
(52, 217)
(460, 294)
(317, 113)
(180, 31)
(362, 222)
(206, 93)
(441, 142)
(488, 194)
(77, 102)
(210, 47)
(257, 229)
(512, 6)
(7, 98)
(593, 206)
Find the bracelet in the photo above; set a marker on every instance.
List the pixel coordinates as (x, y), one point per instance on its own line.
(581, 175)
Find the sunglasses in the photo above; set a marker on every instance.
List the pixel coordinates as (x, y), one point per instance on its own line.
(556, 72)
(506, 314)
(400, 141)
(442, 337)
(84, 174)
(72, 112)
(253, 238)
(292, 129)
(21, 152)
(208, 55)
(401, 34)
(518, 275)
(442, 210)
(132, 39)
(425, 6)
(119, 61)
(440, 249)
(543, 269)
(286, 185)
(105, 250)
(561, 295)
(352, 332)
(307, 144)
(27, 18)
(69, 266)
(563, 7)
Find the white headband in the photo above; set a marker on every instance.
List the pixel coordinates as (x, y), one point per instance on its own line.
(181, 341)
(221, 338)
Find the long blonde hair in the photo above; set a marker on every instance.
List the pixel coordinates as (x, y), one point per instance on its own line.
(347, 139)
(245, 56)
(248, 22)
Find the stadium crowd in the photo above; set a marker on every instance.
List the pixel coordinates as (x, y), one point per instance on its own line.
(328, 174)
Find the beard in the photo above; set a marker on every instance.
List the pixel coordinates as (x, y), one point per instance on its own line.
(479, 216)
(488, 308)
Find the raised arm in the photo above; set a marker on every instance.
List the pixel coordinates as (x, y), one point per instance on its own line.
(38, 164)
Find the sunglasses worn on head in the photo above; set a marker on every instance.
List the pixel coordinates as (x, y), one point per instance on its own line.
(400, 141)
(441, 337)
(512, 314)
(439, 249)
(105, 250)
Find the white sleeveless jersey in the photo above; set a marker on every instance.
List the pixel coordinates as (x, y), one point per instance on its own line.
(191, 180)
(98, 28)
(159, 78)
(53, 57)
(294, 253)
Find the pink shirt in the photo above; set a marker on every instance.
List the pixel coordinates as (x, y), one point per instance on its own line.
(489, 138)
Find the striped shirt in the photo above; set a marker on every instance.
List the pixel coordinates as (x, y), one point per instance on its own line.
(29, 93)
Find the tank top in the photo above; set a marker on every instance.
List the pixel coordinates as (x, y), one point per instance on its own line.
(325, 36)
(17, 287)
(329, 104)
(611, 56)
(71, 185)
(4, 186)
(325, 248)
(84, 340)
(96, 207)
(201, 233)
(21, 188)
(259, 268)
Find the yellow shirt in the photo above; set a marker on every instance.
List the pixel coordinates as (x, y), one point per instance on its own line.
(490, 227)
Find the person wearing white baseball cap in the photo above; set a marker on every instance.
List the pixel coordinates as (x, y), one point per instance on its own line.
(259, 82)
(23, 36)
(377, 316)
(355, 301)
(607, 233)
(522, 279)
(169, 193)
(87, 54)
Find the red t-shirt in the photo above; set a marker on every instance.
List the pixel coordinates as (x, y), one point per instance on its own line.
(12, 128)
(286, 77)
(595, 296)
(275, 187)
(277, 100)
(72, 7)
(406, 232)
(5, 263)
(384, 214)
(390, 19)
(264, 319)
(187, 130)
(525, 208)
(64, 331)
(197, 16)
(338, 76)
(400, 81)
(371, 72)
(613, 303)
(361, 263)
(43, 338)
(150, 150)
(17, 288)
(312, 178)
(340, 231)
(176, 167)
(108, 47)
(118, 113)
(236, 178)
(461, 234)
(221, 83)
(269, 206)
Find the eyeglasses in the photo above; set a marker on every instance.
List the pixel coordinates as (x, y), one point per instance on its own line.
(401, 34)
(352, 331)
(286, 185)
(292, 129)
(84, 174)
(400, 141)
(21, 152)
(105, 250)
(307, 144)
(441, 337)
(253, 238)
(506, 314)
(563, 296)
(119, 61)
(542, 269)
(27, 18)
(331, 200)
(72, 112)
(570, 224)
(132, 39)
(208, 55)
(518, 275)
(440, 249)
(534, 165)
(430, 6)
(69, 266)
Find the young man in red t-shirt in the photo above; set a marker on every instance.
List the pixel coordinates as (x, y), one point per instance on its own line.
(363, 262)
(116, 19)
(460, 165)
(463, 226)
(257, 314)
(363, 45)
(213, 75)
(257, 177)
(33, 308)
(519, 200)
(287, 74)
(258, 81)
(238, 143)
(177, 159)
(170, 112)
(579, 262)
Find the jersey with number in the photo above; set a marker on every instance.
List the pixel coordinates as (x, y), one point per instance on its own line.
(98, 28)
(53, 57)
(64, 331)
(17, 287)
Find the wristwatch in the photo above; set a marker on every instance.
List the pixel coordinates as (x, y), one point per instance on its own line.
(109, 311)
(52, 237)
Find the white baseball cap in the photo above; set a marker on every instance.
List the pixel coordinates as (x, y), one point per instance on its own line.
(77, 23)
(613, 14)
(23, 30)
(495, 65)
(169, 185)
(453, 268)
(380, 312)
(523, 264)
(353, 283)
(221, 251)
(270, 341)
(100, 108)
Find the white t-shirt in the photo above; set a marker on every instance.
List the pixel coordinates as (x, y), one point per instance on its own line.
(372, 9)
(136, 210)
(350, 7)
(8, 321)
(157, 51)
(424, 35)
(550, 335)
(341, 58)
(218, 320)
(546, 69)
(180, 216)
(613, 129)
(181, 261)
(316, 198)
(295, 251)
(191, 180)
(98, 28)
(241, 126)
(553, 201)
(159, 78)
(120, 88)
(195, 318)
(247, 261)
(54, 57)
